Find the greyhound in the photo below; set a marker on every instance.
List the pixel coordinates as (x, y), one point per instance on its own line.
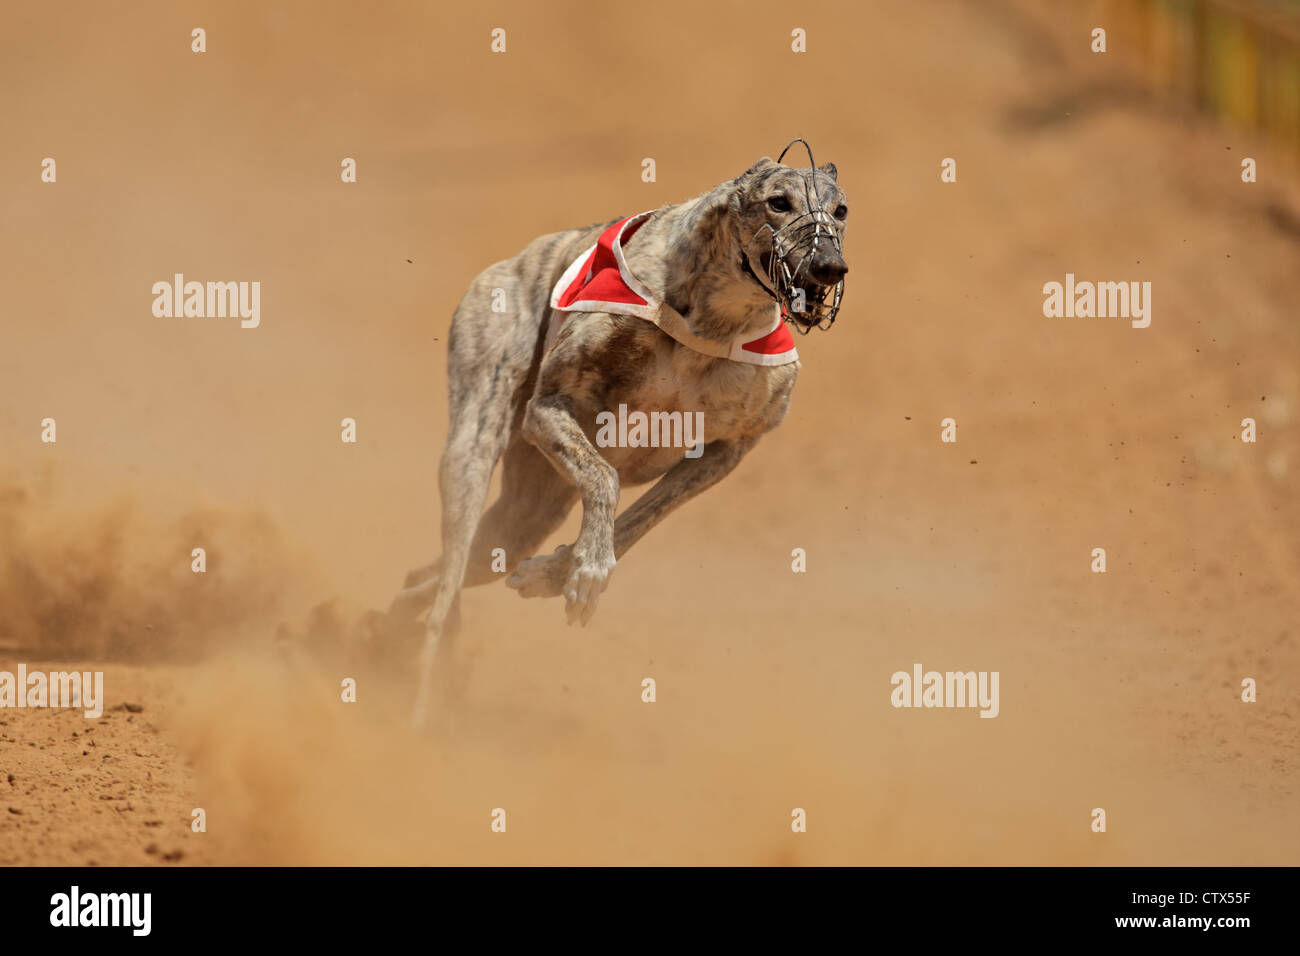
(664, 313)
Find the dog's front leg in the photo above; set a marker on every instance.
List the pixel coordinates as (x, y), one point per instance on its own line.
(680, 484)
(550, 424)
(546, 575)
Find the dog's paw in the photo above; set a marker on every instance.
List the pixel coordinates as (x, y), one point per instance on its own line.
(582, 590)
(544, 575)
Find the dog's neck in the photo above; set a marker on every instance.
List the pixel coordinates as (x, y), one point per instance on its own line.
(690, 254)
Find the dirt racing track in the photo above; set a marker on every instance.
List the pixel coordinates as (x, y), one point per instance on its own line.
(1119, 691)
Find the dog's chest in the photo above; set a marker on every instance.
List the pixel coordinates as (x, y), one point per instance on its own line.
(685, 398)
(735, 399)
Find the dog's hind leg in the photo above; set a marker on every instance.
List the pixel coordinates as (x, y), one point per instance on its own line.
(423, 574)
(464, 475)
(534, 501)
(416, 594)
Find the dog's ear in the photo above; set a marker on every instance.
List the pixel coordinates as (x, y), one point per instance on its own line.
(763, 163)
(829, 169)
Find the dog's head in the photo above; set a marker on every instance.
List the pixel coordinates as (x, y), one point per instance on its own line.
(791, 232)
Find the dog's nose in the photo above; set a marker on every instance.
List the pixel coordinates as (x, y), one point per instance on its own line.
(828, 269)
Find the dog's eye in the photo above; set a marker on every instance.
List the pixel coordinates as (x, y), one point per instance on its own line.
(779, 204)
(841, 211)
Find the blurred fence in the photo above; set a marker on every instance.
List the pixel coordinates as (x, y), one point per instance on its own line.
(1236, 59)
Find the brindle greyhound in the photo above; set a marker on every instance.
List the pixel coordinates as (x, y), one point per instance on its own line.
(663, 312)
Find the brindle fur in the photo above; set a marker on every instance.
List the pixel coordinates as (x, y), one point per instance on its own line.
(535, 410)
